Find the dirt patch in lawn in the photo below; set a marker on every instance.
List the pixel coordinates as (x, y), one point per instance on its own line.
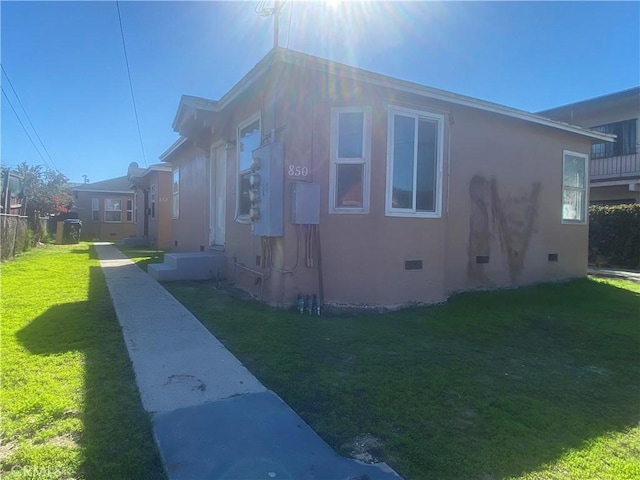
(365, 448)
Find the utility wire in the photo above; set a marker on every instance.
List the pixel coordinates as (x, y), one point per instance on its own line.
(27, 115)
(289, 29)
(44, 160)
(133, 98)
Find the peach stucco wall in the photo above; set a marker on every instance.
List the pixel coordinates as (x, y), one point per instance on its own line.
(105, 231)
(158, 230)
(509, 168)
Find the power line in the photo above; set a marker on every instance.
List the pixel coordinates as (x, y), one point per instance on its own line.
(23, 127)
(289, 29)
(27, 115)
(133, 98)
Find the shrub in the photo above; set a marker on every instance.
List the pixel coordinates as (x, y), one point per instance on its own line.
(614, 235)
(29, 240)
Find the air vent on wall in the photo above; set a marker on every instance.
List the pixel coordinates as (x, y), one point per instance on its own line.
(413, 265)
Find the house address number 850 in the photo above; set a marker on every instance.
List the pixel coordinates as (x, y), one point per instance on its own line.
(298, 171)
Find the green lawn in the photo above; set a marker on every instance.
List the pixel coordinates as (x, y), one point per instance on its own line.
(70, 407)
(533, 383)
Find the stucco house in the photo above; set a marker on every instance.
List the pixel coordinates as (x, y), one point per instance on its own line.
(105, 209)
(614, 167)
(152, 207)
(311, 177)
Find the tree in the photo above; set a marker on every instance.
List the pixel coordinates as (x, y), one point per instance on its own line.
(46, 190)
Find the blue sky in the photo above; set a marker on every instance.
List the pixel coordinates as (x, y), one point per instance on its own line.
(66, 62)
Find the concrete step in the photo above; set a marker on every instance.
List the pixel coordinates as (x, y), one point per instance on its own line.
(188, 266)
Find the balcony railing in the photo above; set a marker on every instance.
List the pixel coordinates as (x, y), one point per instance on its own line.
(612, 168)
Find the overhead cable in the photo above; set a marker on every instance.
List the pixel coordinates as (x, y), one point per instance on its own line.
(53, 164)
(23, 127)
(133, 98)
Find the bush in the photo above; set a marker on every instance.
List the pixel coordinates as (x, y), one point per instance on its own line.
(614, 235)
(29, 240)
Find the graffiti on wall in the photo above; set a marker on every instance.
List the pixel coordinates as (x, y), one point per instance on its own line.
(509, 218)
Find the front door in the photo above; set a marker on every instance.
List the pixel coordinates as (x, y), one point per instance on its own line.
(218, 192)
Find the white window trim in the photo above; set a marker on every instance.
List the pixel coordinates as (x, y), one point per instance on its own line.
(398, 212)
(106, 211)
(365, 160)
(244, 218)
(95, 208)
(128, 210)
(585, 207)
(135, 208)
(175, 212)
(153, 201)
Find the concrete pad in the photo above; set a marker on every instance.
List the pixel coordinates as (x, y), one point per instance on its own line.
(251, 437)
(177, 362)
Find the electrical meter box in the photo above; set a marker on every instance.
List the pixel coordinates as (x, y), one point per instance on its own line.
(267, 191)
(305, 203)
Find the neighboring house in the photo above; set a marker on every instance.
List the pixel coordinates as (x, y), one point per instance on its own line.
(313, 177)
(105, 209)
(614, 168)
(152, 204)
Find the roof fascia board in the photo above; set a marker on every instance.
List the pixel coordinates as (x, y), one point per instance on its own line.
(101, 191)
(424, 91)
(173, 148)
(245, 82)
(629, 93)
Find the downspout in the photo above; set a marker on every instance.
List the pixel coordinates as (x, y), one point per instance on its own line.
(451, 122)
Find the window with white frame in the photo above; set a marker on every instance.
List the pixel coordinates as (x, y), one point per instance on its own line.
(175, 189)
(152, 195)
(414, 168)
(95, 209)
(574, 187)
(349, 174)
(135, 207)
(248, 141)
(112, 210)
(129, 210)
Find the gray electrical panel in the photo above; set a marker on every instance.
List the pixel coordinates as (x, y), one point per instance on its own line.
(267, 191)
(305, 203)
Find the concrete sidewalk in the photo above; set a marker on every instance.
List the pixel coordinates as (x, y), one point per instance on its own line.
(212, 419)
(625, 274)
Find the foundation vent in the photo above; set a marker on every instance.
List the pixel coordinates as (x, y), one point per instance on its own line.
(482, 259)
(553, 257)
(413, 265)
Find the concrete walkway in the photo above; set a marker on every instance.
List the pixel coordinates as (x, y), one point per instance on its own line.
(212, 419)
(633, 275)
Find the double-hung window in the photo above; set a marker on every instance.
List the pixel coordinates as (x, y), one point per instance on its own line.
(112, 210)
(95, 209)
(248, 140)
(349, 175)
(574, 187)
(175, 189)
(414, 163)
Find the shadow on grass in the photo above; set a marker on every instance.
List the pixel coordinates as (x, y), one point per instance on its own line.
(490, 385)
(117, 438)
(143, 256)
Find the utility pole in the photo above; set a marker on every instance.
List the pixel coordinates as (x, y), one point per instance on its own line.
(86, 180)
(276, 23)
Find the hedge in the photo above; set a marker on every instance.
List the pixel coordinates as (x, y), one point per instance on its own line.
(614, 235)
